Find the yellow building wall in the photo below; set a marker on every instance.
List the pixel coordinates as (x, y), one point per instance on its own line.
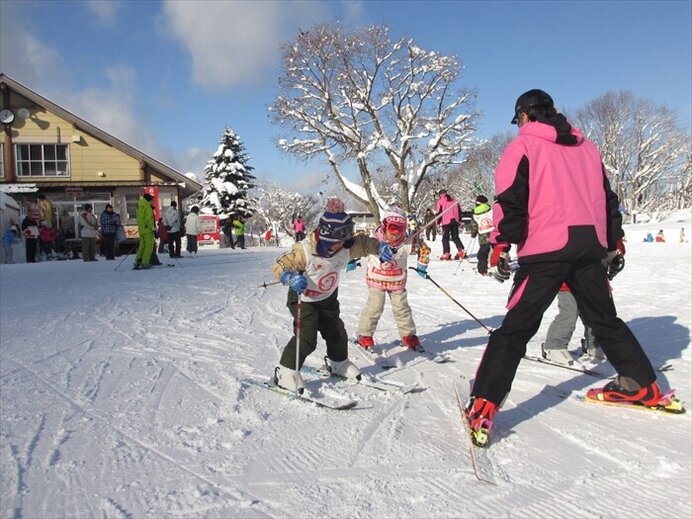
(87, 155)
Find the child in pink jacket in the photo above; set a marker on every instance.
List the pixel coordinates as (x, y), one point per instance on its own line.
(389, 279)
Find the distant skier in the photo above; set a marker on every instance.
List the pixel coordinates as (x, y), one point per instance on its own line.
(311, 268)
(481, 227)
(299, 228)
(553, 198)
(450, 221)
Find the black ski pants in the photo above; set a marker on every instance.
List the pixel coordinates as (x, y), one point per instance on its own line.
(451, 230)
(535, 286)
(109, 245)
(174, 242)
(482, 256)
(320, 316)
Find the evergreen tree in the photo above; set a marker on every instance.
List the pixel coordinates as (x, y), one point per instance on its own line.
(228, 179)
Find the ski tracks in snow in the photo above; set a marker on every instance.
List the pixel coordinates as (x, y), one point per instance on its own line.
(24, 462)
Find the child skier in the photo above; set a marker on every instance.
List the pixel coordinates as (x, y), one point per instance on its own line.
(389, 278)
(311, 270)
(481, 227)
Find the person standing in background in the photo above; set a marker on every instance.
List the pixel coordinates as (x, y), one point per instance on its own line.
(90, 229)
(192, 229)
(450, 221)
(145, 228)
(299, 228)
(163, 236)
(430, 229)
(239, 229)
(171, 219)
(481, 227)
(110, 222)
(10, 237)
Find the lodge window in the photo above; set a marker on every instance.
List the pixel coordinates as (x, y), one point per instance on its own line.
(42, 160)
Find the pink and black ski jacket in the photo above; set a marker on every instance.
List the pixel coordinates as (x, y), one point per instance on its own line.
(554, 200)
(453, 215)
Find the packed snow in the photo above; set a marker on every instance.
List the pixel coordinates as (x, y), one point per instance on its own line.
(126, 394)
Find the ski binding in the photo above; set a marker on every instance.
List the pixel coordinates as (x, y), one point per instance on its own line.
(338, 404)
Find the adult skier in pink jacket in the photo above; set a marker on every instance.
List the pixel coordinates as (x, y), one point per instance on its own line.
(553, 199)
(450, 220)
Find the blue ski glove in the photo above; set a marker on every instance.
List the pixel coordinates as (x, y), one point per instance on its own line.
(385, 251)
(351, 265)
(297, 282)
(422, 271)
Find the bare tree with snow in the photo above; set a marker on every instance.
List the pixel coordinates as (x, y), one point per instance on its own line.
(360, 99)
(277, 207)
(228, 179)
(642, 149)
(476, 176)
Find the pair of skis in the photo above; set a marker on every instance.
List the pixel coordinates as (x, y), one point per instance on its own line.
(379, 357)
(337, 403)
(363, 380)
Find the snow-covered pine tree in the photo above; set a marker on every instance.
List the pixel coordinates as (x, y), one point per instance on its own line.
(228, 179)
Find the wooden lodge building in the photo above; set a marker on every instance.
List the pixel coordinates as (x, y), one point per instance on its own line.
(53, 162)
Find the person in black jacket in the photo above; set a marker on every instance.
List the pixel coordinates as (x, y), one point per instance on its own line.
(30, 232)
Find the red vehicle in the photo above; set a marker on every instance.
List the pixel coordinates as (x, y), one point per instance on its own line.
(211, 231)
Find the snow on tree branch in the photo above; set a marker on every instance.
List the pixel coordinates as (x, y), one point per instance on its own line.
(361, 98)
(642, 150)
(228, 179)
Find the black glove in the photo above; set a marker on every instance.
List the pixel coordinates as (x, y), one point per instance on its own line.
(615, 264)
(499, 263)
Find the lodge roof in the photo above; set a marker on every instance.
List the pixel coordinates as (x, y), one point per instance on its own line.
(175, 176)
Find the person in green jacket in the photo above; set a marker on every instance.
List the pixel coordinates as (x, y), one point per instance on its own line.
(239, 230)
(145, 226)
(481, 227)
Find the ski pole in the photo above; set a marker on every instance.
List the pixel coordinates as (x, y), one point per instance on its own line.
(299, 308)
(420, 230)
(427, 276)
(176, 260)
(265, 285)
(457, 269)
(125, 257)
(472, 243)
(468, 251)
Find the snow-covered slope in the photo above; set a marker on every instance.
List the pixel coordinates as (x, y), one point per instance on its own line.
(124, 394)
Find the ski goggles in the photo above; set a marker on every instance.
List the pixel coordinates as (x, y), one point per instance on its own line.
(395, 227)
(341, 232)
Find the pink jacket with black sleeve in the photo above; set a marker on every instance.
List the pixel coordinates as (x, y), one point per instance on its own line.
(554, 200)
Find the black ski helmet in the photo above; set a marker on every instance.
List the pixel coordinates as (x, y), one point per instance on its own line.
(530, 99)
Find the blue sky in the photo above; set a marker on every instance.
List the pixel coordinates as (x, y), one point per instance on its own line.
(167, 77)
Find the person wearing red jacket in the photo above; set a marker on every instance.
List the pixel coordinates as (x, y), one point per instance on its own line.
(553, 199)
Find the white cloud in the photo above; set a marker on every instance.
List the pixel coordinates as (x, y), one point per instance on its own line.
(23, 56)
(354, 11)
(111, 108)
(235, 43)
(106, 11)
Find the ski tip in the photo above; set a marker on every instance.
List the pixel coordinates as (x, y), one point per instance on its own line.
(671, 405)
(480, 438)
